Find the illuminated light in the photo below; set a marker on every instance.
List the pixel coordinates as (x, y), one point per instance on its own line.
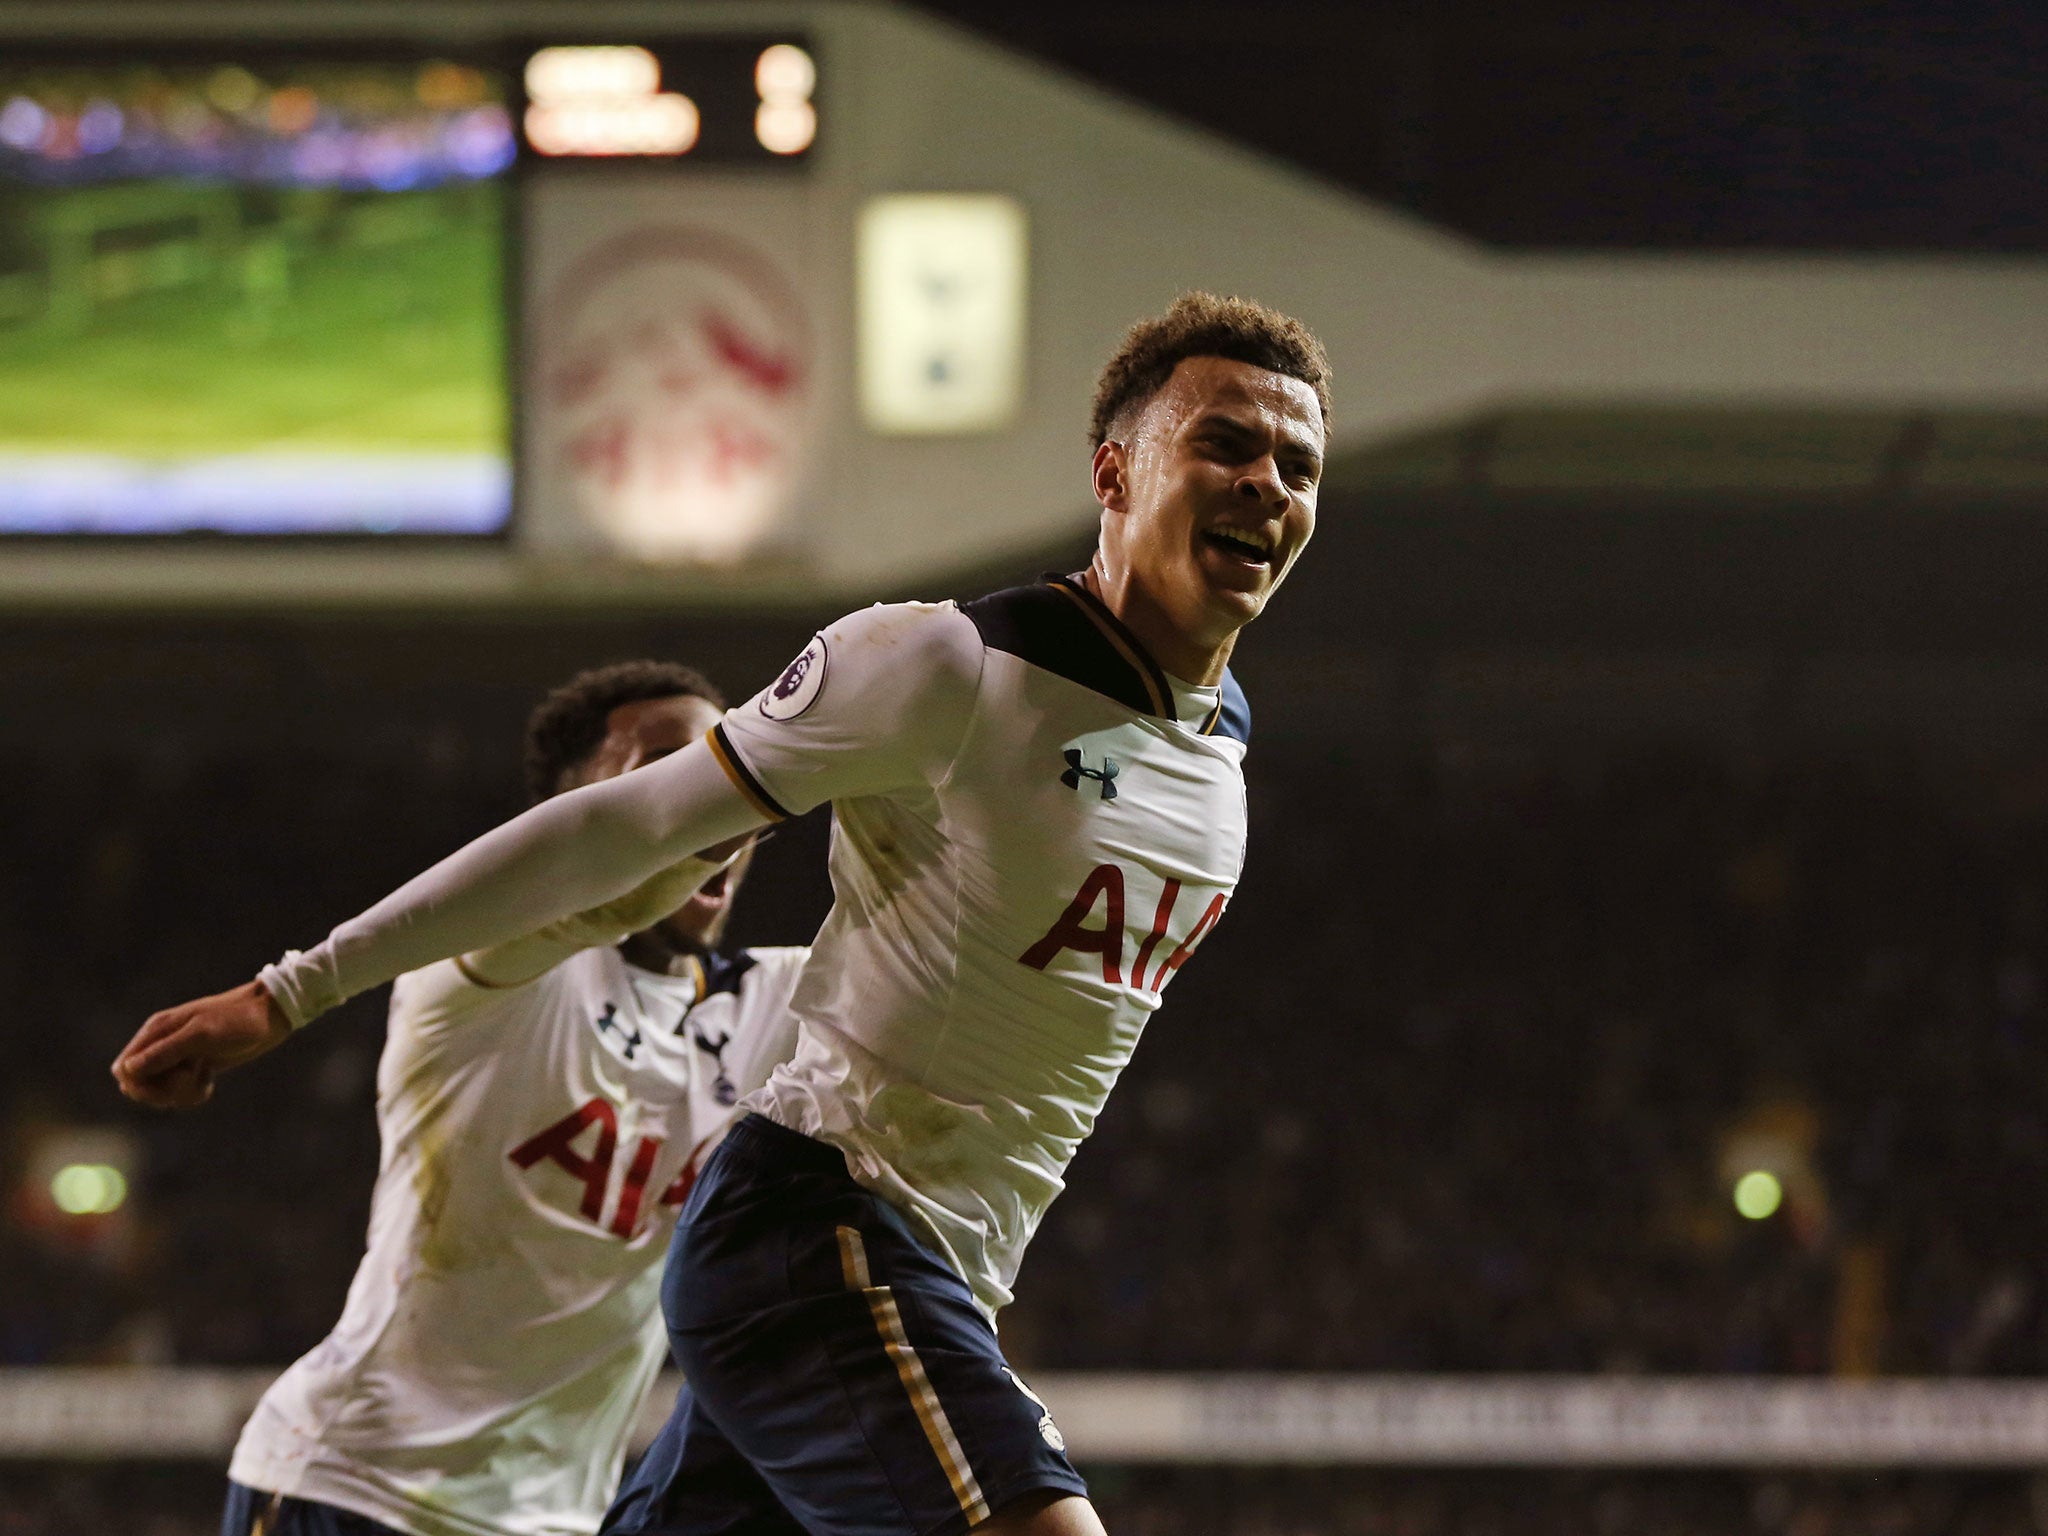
(23, 124)
(61, 142)
(233, 89)
(605, 101)
(480, 141)
(785, 73)
(650, 125)
(293, 110)
(391, 161)
(1758, 1194)
(320, 157)
(447, 87)
(564, 74)
(941, 281)
(786, 127)
(88, 1189)
(189, 121)
(99, 127)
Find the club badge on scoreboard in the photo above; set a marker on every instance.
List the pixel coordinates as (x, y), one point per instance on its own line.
(675, 384)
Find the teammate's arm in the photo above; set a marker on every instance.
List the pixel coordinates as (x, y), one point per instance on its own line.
(565, 856)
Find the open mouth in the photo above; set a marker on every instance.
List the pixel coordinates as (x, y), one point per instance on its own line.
(712, 892)
(1241, 546)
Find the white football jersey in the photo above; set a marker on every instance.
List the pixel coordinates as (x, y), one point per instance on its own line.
(505, 1322)
(1034, 828)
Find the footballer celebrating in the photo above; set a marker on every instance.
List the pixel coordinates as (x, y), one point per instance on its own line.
(543, 1105)
(1040, 814)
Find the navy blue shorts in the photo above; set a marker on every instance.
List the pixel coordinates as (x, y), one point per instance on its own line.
(842, 1380)
(252, 1512)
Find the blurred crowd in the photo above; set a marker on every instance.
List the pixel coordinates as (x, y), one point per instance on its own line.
(1463, 1082)
(1467, 1078)
(1355, 1502)
(138, 885)
(47, 1500)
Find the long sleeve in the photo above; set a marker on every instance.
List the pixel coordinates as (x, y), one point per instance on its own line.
(565, 856)
(520, 960)
(878, 701)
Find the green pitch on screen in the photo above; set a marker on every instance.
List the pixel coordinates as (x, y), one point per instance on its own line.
(175, 319)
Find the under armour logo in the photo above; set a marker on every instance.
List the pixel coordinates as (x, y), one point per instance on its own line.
(1077, 770)
(609, 1020)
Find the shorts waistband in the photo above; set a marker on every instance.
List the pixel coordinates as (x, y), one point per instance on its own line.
(762, 1142)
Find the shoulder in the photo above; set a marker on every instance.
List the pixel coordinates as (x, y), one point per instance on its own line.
(937, 632)
(771, 963)
(877, 701)
(1233, 717)
(759, 977)
(897, 647)
(1059, 626)
(761, 982)
(448, 988)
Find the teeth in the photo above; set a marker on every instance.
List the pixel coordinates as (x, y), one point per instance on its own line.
(1244, 540)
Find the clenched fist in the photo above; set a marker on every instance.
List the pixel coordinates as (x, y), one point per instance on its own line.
(173, 1059)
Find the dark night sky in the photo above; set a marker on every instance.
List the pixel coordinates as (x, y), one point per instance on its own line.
(1691, 123)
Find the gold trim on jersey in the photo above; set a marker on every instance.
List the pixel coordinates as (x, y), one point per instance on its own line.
(1140, 663)
(938, 1430)
(742, 780)
(477, 979)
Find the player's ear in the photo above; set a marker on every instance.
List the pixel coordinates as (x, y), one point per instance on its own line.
(1112, 489)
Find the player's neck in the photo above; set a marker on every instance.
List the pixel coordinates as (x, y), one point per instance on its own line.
(1183, 656)
(655, 949)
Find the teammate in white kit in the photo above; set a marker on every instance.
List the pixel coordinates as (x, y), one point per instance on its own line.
(543, 1107)
(1040, 814)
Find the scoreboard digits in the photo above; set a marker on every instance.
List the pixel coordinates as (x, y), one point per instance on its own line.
(726, 99)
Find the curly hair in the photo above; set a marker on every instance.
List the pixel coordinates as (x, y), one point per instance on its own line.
(569, 723)
(1204, 325)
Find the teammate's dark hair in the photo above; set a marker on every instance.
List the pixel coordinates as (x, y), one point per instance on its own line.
(1203, 325)
(569, 723)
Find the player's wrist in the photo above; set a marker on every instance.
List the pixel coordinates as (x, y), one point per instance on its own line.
(280, 1021)
(300, 987)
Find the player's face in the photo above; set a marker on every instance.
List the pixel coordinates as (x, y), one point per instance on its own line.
(1218, 480)
(642, 732)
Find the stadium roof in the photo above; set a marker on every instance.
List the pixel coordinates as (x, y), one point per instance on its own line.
(1897, 125)
(1910, 125)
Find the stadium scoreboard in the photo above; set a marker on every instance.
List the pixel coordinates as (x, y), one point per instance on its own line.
(729, 100)
(291, 290)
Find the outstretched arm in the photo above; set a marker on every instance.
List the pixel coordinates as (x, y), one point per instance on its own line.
(565, 856)
(521, 960)
(879, 700)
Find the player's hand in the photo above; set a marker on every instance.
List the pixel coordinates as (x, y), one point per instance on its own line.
(173, 1059)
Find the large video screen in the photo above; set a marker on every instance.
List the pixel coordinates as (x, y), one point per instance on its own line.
(253, 296)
